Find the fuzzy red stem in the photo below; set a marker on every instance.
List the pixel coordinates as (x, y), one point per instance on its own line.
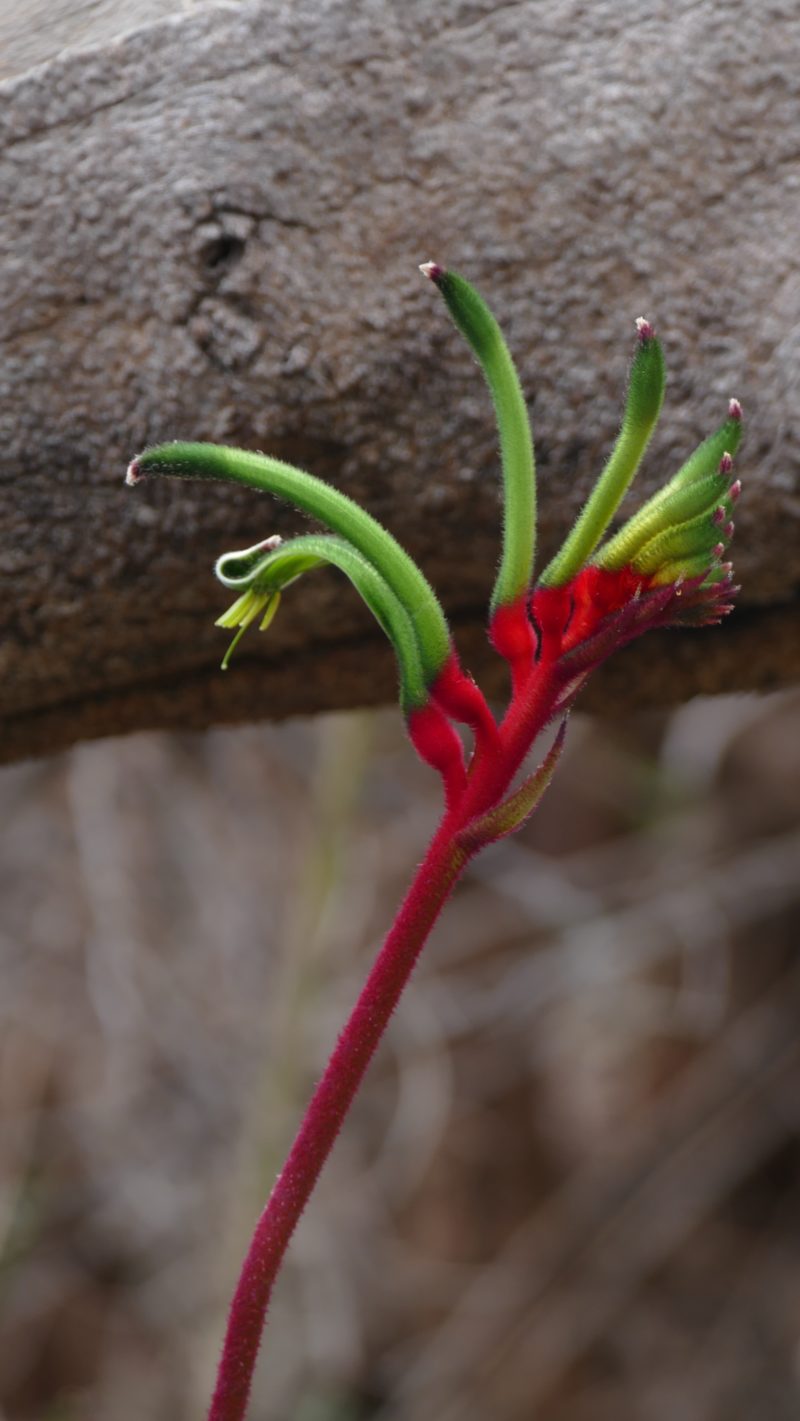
(431, 886)
(492, 772)
(531, 709)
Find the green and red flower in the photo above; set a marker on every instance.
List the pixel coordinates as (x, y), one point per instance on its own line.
(667, 566)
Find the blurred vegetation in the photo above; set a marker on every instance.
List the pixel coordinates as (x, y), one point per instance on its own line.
(570, 1186)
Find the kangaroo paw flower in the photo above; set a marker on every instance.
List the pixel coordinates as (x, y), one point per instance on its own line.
(666, 566)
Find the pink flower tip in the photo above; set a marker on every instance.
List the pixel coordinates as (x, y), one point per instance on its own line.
(645, 329)
(729, 530)
(726, 463)
(433, 272)
(719, 516)
(718, 550)
(134, 473)
(734, 409)
(734, 490)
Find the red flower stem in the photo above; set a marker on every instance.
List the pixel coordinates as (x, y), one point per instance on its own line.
(531, 709)
(492, 772)
(431, 886)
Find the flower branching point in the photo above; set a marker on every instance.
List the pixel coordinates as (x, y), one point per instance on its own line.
(666, 566)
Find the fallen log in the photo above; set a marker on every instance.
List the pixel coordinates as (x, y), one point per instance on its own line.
(211, 231)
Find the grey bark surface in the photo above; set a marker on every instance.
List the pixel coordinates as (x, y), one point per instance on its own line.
(210, 230)
(39, 30)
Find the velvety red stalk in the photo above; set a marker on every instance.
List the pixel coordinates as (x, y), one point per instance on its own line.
(429, 891)
(491, 774)
(529, 712)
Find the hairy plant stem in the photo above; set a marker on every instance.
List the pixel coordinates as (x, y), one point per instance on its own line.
(445, 860)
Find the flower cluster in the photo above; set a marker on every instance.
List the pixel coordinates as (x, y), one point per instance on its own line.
(666, 566)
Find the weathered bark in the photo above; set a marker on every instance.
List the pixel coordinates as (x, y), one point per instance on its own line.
(211, 230)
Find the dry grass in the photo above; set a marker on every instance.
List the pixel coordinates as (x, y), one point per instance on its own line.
(569, 1189)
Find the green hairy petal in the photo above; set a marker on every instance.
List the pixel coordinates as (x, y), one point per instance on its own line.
(400, 572)
(718, 572)
(663, 510)
(686, 568)
(251, 567)
(698, 485)
(266, 574)
(643, 406)
(236, 569)
(695, 538)
(706, 457)
(480, 329)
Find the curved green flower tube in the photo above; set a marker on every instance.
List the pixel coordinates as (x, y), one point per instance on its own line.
(477, 324)
(643, 405)
(698, 486)
(357, 527)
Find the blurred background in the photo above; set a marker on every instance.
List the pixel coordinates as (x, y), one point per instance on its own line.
(569, 1189)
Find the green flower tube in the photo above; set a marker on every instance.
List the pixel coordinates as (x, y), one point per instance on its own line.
(360, 529)
(642, 408)
(477, 324)
(698, 484)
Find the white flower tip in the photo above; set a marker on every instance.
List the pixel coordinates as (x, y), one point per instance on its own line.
(432, 271)
(644, 328)
(134, 473)
(734, 409)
